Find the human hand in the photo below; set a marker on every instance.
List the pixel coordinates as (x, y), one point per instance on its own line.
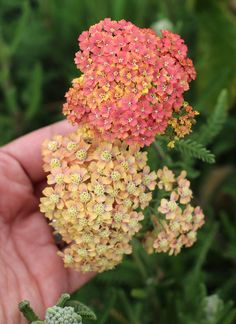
(29, 266)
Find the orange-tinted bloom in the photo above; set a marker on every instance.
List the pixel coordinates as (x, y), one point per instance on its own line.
(132, 84)
(93, 199)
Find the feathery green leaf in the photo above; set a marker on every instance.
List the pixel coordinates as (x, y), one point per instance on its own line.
(193, 149)
(215, 121)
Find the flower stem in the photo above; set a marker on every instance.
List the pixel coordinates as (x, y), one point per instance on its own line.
(27, 311)
(62, 300)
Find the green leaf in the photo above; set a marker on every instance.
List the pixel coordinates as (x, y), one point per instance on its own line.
(107, 308)
(81, 309)
(193, 149)
(22, 25)
(205, 249)
(215, 121)
(32, 96)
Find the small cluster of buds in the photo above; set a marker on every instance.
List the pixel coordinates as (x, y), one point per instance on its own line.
(177, 221)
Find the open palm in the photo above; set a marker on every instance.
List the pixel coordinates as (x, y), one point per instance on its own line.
(29, 266)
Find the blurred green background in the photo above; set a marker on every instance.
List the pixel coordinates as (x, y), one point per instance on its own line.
(38, 40)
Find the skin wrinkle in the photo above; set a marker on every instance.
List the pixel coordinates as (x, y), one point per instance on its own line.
(5, 159)
(11, 156)
(21, 211)
(25, 270)
(29, 266)
(37, 285)
(3, 309)
(9, 278)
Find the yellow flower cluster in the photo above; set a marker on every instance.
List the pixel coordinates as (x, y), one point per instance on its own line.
(178, 221)
(95, 189)
(182, 125)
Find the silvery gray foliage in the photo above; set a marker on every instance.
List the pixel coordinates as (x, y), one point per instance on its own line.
(59, 315)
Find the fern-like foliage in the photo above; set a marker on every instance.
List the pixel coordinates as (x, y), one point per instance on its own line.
(215, 121)
(194, 149)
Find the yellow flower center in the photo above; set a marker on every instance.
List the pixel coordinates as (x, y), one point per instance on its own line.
(99, 189)
(175, 226)
(71, 146)
(85, 268)
(125, 165)
(118, 217)
(146, 180)
(52, 146)
(59, 178)
(54, 198)
(68, 258)
(115, 175)
(163, 243)
(189, 218)
(192, 235)
(101, 248)
(81, 154)
(185, 191)
(85, 196)
(82, 252)
(87, 238)
(133, 223)
(55, 163)
(99, 209)
(72, 211)
(83, 221)
(106, 156)
(113, 193)
(104, 233)
(75, 178)
(143, 198)
(127, 202)
(172, 205)
(131, 188)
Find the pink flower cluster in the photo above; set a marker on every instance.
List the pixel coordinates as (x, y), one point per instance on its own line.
(178, 221)
(132, 82)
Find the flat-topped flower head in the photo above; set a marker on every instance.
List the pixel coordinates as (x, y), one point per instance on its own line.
(91, 201)
(132, 83)
(177, 221)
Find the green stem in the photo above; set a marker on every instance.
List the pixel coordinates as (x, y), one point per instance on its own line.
(165, 158)
(62, 300)
(27, 311)
(139, 262)
(127, 307)
(159, 150)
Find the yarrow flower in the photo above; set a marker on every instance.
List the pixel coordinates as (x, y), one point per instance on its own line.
(95, 188)
(177, 221)
(132, 83)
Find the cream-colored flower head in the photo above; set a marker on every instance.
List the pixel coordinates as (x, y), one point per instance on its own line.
(95, 189)
(177, 221)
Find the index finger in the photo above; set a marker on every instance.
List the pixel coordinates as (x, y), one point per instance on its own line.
(27, 149)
